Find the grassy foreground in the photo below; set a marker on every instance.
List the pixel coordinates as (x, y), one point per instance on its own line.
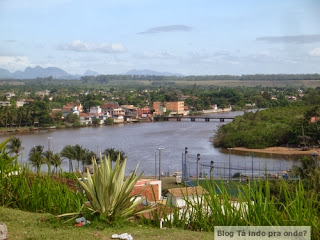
(26, 225)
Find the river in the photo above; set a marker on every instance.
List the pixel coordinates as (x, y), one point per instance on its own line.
(140, 142)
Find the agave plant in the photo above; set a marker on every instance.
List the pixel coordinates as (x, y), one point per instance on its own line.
(109, 192)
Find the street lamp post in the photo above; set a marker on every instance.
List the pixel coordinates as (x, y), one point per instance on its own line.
(211, 170)
(229, 163)
(160, 162)
(198, 159)
(155, 164)
(252, 166)
(185, 164)
(49, 138)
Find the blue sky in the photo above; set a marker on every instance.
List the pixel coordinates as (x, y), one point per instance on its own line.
(191, 37)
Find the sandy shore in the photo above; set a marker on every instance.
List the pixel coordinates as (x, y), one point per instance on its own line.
(278, 150)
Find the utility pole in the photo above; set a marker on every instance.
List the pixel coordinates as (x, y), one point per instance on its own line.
(211, 170)
(160, 162)
(198, 159)
(155, 165)
(252, 166)
(229, 163)
(49, 138)
(185, 163)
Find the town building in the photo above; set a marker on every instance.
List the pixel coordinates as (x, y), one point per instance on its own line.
(148, 188)
(175, 108)
(74, 108)
(178, 196)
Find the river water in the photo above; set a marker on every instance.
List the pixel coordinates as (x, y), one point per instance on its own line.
(140, 142)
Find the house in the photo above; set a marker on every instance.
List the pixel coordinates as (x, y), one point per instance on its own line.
(130, 113)
(114, 110)
(291, 98)
(74, 108)
(20, 102)
(148, 188)
(175, 107)
(9, 95)
(43, 93)
(178, 196)
(314, 119)
(158, 108)
(88, 118)
(96, 109)
(5, 104)
(144, 112)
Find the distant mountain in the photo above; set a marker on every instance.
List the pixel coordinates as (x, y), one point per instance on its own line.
(44, 72)
(38, 72)
(4, 73)
(90, 73)
(58, 73)
(148, 72)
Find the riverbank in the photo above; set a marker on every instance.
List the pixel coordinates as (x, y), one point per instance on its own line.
(279, 150)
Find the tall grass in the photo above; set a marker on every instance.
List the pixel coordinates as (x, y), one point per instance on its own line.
(36, 193)
(19, 188)
(255, 205)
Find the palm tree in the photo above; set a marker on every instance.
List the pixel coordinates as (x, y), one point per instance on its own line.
(80, 154)
(48, 157)
(56, 161)
(36, 157)
(15, 145)
(69, 153)
(88, 158)
(115, 154)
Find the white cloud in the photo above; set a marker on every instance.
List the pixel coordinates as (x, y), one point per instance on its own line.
(79, 46)
(14, 63)
(155, 55)
(315, 52)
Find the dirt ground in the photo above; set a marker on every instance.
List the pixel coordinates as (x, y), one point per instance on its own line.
(279, 150)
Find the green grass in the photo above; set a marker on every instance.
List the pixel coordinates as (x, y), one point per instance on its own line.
(26, 225)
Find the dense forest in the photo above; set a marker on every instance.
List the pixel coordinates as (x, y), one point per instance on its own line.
(105, 79)
(247, 77)
(281, 126)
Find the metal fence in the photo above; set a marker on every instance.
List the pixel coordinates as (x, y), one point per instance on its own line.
(235, 167)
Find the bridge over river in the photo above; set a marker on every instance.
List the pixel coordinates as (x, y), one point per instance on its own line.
(193, 118)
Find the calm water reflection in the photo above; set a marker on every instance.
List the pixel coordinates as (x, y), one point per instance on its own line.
(141, 141)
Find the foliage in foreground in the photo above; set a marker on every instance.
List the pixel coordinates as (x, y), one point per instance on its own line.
(109, 192)
(21, 189)
(254, 206)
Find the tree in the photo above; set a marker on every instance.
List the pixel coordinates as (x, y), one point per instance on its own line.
(79, 154)
(15, 145)
(36, 157)
(72, 118)
(56, 161)
(48, 157)
(95, 121)
(89, 156)
(68, 152)
(115, 154)
(109, 121)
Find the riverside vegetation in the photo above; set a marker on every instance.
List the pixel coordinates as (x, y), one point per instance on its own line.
(281, 126)
(260, 203)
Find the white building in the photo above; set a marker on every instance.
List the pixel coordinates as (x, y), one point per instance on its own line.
(178, 196)
(96, 109)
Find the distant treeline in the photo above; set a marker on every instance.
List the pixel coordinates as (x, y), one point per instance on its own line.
(253, 77)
